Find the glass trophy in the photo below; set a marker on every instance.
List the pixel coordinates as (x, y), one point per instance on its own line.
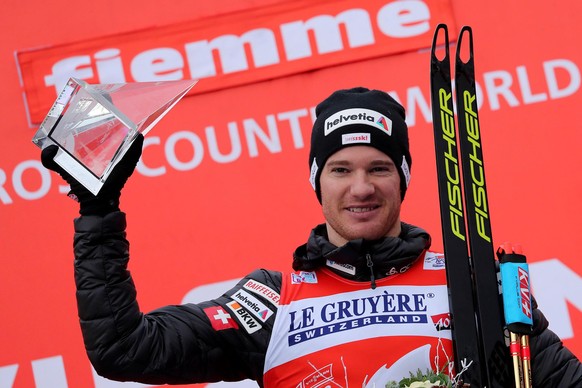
(94, 125)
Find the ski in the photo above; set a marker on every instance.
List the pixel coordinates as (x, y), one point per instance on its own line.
(480, 352)
(482, 253)
(458, 270)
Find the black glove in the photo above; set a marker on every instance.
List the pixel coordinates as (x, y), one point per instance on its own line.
(107, 200)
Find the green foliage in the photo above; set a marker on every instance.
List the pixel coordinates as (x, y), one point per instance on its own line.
(437, 378)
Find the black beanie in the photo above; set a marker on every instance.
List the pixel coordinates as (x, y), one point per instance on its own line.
(360, 116)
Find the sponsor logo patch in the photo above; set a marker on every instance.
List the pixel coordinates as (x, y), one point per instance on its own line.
(220, 319)
(249, 323)
(303, 277)
(354, 116)
(262, 290)
(405, 170)
(347, 315)
(442, 321)
(524, 292)
(252, 304)
(434, 261)
(349, 269)
(355, 138)
(313, 173)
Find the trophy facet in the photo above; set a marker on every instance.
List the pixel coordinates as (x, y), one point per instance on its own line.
(94, 125)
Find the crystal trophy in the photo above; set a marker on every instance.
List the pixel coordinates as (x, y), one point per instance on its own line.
(94, 125)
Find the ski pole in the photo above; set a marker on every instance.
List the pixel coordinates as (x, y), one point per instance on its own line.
(526, 361)
(515, 350)
(517, 309)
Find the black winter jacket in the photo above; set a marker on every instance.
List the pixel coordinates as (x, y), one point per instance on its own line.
(178, 345)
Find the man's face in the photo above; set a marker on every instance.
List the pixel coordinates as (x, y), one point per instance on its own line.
(360, 195)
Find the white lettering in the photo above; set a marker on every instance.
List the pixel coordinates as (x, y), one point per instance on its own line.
(235, 142)
(17, 180)
(109, 66)
(397, 19)
(253, 131)
(524, 84)
(295, 126)
(254, 135)
(415, 98)
(161, 64)
(4, 197)
(77, 66)
(327, 33)
(141, 167)
(170, 150)
(570, 67)
(231, 51)
(498, 83)
(404, 19)
(562, 79)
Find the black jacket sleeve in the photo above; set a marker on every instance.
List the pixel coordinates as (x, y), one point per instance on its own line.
(174, 344)
(552, 364)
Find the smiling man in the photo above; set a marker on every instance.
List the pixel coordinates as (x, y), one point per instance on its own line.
(365, 305)
(359, 137)
(360, 195)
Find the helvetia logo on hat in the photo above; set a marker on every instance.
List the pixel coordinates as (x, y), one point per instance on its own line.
(354, 116)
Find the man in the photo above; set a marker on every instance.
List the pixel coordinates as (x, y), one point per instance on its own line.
(359, 308)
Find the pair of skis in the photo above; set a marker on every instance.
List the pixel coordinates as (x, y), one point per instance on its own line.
(479, 342)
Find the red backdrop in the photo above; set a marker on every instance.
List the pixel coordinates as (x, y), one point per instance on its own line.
(224, 178)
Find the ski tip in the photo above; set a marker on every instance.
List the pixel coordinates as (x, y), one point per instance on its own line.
(465, 54)
(441, 29)
(467, 29)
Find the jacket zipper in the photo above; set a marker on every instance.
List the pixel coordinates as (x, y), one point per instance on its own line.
(371, 266)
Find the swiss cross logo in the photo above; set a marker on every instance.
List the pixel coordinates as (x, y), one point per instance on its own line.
(220, 319)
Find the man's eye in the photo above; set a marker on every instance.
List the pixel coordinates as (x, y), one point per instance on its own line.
(339, 170)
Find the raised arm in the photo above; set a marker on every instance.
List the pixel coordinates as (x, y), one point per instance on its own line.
(174, 344)
(187, 343)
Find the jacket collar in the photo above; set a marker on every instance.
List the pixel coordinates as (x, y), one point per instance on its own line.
(360, 259)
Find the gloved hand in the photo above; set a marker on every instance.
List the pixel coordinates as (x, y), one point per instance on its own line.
(107, 200)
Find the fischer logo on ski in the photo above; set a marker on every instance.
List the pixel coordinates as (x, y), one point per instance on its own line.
(453, 174)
